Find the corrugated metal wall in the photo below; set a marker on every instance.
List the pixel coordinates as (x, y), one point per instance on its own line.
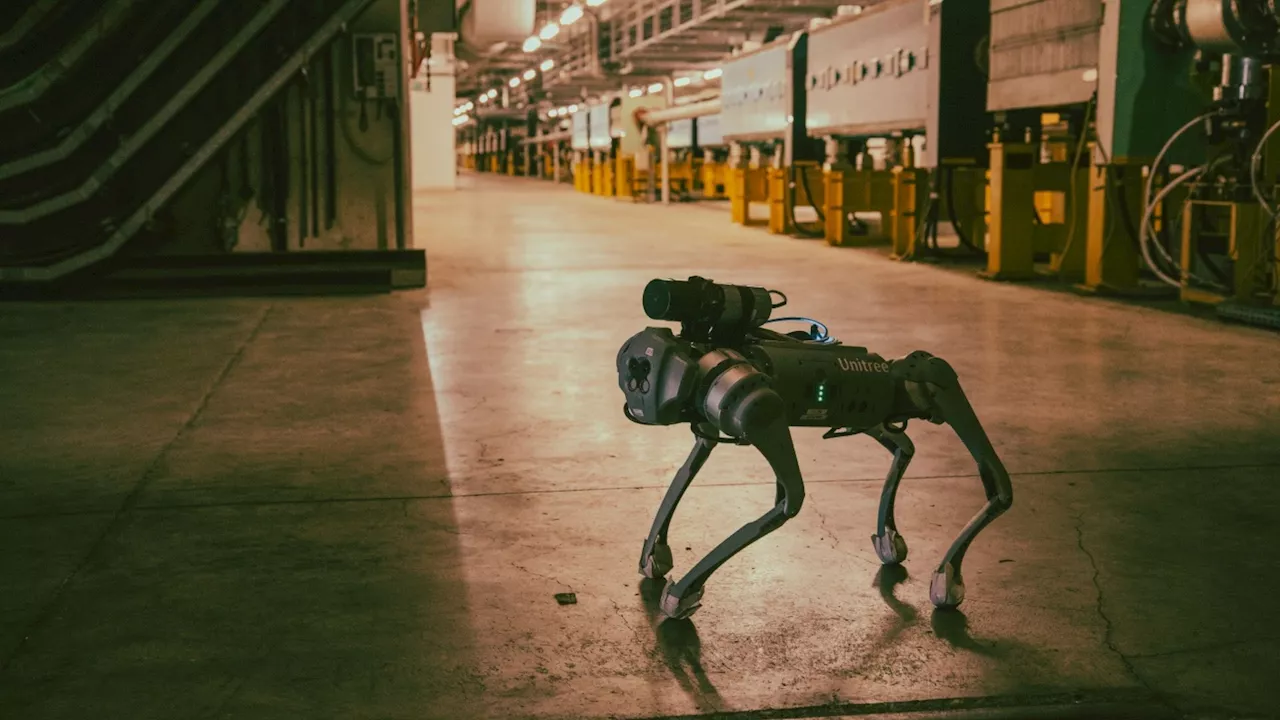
(1039, 38)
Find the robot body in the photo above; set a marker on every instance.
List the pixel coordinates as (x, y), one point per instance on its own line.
(734, 381)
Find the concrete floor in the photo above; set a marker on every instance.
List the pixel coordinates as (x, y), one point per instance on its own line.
(363, 507)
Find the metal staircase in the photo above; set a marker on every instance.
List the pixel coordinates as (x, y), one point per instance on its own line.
(108, 108)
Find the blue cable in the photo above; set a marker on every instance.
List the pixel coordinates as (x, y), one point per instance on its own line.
(824, 337)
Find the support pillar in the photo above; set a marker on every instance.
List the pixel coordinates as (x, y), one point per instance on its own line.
(1111, 250)
(1011, 251)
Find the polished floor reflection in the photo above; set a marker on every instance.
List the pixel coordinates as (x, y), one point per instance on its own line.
(365, 507)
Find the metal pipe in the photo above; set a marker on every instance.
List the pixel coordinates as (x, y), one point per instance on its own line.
(549, 137)
(655, 117)
(666, 170)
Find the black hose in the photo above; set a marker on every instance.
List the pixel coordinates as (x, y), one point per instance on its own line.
(791, 208)
(398, 173)
(951, 211)
(314, 150)
(331, 153)
(303, 173)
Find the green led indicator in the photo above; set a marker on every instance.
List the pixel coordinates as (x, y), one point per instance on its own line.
(822, 392)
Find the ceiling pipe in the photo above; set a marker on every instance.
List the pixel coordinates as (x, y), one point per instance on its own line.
(658, 116)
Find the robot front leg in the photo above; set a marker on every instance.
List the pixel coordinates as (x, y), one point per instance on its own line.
(890, 546)
(681, 598)
(940, 393)
(655, 557)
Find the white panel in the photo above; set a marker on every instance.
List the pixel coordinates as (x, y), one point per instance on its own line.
(755, 94)
(709, 132)
(581, 139)
(680, 133)
(867, 72)
(600, 139)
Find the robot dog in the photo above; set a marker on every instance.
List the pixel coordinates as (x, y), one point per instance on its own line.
(735, 381)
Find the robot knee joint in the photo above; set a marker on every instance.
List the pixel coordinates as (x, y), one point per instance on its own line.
(791, 502)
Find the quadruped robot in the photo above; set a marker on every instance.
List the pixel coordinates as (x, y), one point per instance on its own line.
(735, 381)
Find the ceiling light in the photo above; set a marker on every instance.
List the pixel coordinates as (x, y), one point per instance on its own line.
(514, 82)
(547, 64)
(484, 98)
(596, 3)
(654, 88)
(530, 74)
(549, 31)
(573, 108)
(681, 81)
(493, 93)
(562, 111)
(532, 43)
(712, 74)
(462, 120)
(571, 15)
(636, 92)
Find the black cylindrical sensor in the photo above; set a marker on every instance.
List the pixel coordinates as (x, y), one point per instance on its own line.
(707, 308)
(673, 300)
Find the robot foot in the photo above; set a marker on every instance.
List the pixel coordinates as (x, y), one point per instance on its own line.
(658, 563)
(947, 589)
(678, 608)
(890, 546)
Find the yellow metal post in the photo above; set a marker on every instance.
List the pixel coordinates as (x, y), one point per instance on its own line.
(1111, 254)
(1011, 251)
(910, 196)
(739, 207)
(624, 175)
(608, 186)
(836, 229)
(781, 201)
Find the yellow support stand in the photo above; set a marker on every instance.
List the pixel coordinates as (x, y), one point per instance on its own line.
(746, 186)
(846, 191)
(910, 196)
(1111, 254)
(493, 163)
(1011, 251)
(624, 175)
(1243, 224)
(779, 201)
(713, 181)
(608, 186)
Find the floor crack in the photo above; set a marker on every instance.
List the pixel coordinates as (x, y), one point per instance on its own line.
(617, 610)
(1108, 637)
(548, 578)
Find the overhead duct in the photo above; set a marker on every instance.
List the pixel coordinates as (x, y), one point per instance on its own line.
(488, 22)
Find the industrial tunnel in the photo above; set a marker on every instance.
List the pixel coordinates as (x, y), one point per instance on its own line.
(578, 359)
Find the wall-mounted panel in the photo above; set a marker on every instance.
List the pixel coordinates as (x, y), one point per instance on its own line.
(598, 125)
(680, 134)
(709, 131)
(755, 94)
(1044, 53)
(580, 139)
(904, 66)
(867, 72)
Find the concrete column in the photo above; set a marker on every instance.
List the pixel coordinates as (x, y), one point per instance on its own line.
(431, 130)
